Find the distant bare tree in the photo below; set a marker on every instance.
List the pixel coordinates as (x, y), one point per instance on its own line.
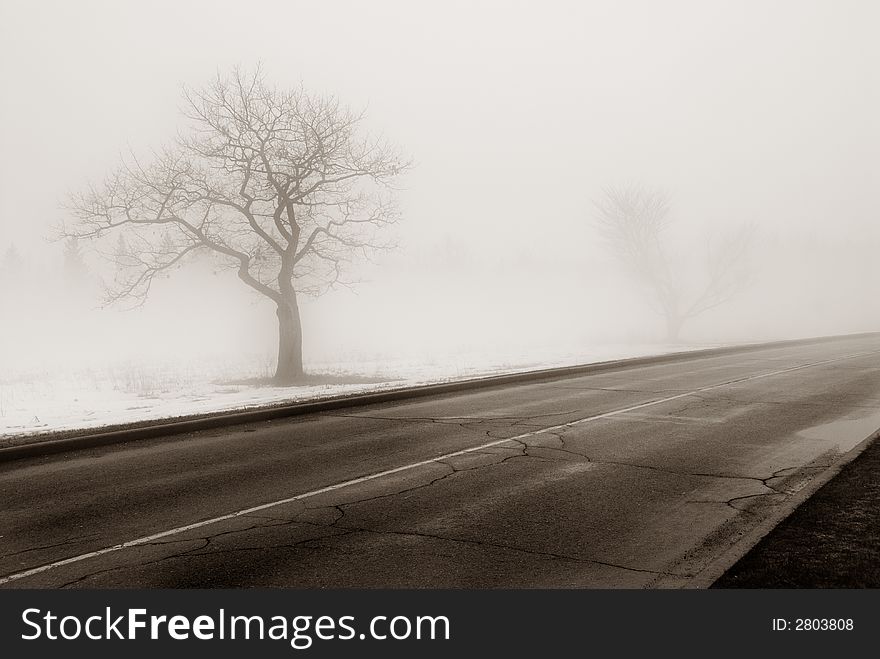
(634, 221)
(276, 184)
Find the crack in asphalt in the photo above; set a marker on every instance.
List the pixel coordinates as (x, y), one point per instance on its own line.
(774, 492)
(731, 502)
(96, 573)
(341, 507)
(207, 540)
(69, 541)
(558, 434)
(159, 543)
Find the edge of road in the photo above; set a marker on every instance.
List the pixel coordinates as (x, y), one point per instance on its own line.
(36, 446)
(730, 557)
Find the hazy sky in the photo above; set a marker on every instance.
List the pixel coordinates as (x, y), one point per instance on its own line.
(516, 113)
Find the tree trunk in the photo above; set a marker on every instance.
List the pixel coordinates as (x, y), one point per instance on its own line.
(290, 364)
(673, 327)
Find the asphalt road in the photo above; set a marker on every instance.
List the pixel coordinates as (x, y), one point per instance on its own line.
(632, 477)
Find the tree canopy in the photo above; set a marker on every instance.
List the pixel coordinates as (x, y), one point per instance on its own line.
(279, 185)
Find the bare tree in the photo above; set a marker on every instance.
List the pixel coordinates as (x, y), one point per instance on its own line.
(276, 184)
(634, 221)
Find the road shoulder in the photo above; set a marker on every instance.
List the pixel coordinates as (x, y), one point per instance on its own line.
(832, 540)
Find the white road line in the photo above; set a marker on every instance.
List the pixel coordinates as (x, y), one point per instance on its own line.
(396, 470)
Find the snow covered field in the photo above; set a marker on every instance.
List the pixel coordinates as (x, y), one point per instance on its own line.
(37, 401)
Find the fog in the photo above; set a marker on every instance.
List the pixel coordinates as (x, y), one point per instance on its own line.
(517, 115)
